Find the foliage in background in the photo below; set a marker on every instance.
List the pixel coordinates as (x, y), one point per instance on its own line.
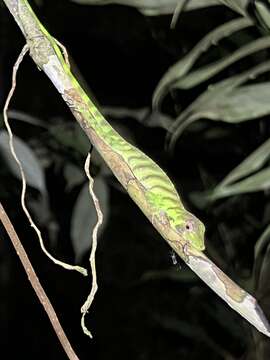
(154, 7)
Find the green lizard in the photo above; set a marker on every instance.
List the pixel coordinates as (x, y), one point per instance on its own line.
(146, 183)
(149, 186)
(144, 180)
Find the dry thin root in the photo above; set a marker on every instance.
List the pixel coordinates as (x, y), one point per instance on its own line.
(13, 152)
(90, 298)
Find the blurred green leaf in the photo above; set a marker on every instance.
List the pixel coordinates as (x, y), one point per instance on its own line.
(71, 135)
(143, 115)
(228, 186)
(84, 216)
(158, 119)
(262, 243)
(261, 269)
(239, 6)
(205, 73)
(21, 116)
(180, 7)
(153, 7)
(221, 88)
(33, 171)
(241, 104)
(73, 176)
(123, 113)
(252, 163)
(257, 182)
(262, 13)
(176, 72)
(218, 93)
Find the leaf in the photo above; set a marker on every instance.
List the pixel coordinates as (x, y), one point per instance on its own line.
(179, 69)
(153, 7)
(21, 116)
(261, 268)
(261, 9)
(257, 182)
(241, 104)
(84, 216)
(159, 119)
(70, 135)
(180, 7)
(123, 113)
(73, 176)
(254, 183)
(214, 94)
(143, 115)
(221, 88)
(33, 171)
(205, 73)
(252, 163)
(262, 243)
(239, 6)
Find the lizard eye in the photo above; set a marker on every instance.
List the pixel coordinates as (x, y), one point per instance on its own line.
(189, 226)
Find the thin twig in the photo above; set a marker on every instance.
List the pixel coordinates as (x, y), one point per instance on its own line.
(43, 298)
(16, 158)
(90, 298)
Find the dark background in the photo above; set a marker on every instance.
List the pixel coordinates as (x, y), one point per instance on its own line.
(146, 308)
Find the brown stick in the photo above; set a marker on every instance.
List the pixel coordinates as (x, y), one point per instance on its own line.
(32, 277)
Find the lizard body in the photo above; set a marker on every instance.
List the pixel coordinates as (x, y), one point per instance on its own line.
(147, 184)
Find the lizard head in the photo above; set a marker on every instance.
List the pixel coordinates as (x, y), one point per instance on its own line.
(191, 230)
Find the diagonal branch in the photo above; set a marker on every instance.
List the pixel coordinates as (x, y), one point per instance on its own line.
(43, 298)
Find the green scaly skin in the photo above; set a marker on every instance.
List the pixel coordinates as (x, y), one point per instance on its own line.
(163, 201)
(145, 181)
(161, 197)
(159, 191)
